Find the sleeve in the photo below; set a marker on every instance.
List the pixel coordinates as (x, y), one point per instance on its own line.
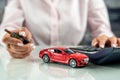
(13, 17)
(98, 19)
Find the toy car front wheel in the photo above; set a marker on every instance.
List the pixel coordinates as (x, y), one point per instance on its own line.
(46, 58)
(73, 63)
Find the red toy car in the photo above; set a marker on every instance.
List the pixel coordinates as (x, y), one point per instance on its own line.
(64, 55)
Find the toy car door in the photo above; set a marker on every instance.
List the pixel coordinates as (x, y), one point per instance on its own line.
(59, 55)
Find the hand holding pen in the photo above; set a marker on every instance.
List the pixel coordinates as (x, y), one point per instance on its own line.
(19, 42)
(18, 36)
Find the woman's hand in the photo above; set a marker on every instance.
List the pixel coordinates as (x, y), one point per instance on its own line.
(105, 41)
(15, 47)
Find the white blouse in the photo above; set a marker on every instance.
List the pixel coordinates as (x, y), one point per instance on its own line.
(57, 22)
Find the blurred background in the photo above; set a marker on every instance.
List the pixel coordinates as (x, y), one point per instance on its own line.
(2, 5)
(114, 14)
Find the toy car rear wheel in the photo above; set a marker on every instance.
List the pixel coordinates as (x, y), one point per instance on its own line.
(73, 63)
(46, 58)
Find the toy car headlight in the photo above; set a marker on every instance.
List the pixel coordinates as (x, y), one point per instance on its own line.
(86, 60)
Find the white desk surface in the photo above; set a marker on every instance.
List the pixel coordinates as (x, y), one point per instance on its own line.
(33, 68)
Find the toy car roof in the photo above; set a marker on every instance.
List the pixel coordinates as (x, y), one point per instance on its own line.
(61, 48)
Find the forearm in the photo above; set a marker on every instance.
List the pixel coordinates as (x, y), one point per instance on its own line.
(98, 19)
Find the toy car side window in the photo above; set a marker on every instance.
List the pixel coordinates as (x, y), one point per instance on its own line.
(52, 50)
(58, 51)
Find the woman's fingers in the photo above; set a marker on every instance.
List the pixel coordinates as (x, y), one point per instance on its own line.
(7, 39)
(118, 42)
(105, 41)
(14, 55)
(113, 41)
(26, 33)
(20, 49)
(94, 42)
(100, 41)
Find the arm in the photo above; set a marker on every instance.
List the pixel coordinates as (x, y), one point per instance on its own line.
(98, 19)
(100, 26)
(13, 17)
(13, 20)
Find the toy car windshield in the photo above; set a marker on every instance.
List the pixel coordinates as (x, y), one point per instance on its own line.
(69, 51)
